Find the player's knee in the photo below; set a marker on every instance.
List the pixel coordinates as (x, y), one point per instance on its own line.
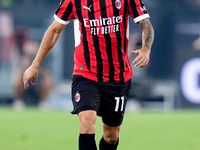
(87, 126)
(111, 134)
(111, 140)
(88, 123)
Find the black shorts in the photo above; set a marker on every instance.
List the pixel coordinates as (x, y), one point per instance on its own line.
(107, 99)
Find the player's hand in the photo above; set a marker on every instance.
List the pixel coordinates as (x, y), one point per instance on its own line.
(30, 73)
(142, 58)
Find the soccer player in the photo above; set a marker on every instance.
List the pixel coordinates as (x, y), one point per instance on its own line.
(102, 71)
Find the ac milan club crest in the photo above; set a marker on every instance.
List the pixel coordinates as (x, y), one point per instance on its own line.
(118, 4)
(77, 97)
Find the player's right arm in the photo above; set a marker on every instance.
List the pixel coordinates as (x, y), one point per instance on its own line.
(51, 36)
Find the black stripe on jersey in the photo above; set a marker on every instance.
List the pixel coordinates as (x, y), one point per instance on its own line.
(133, 8)
(108, 43)
(119, 49)
(66, 14)
(96, 46)
(85, 42)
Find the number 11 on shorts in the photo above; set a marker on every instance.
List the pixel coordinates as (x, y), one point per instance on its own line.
(118, 103)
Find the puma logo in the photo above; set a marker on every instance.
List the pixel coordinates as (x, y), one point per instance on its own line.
(88, 8)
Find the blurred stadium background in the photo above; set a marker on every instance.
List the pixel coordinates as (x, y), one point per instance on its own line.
(170, 83)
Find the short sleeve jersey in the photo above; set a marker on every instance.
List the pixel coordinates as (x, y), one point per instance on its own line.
(101, 36)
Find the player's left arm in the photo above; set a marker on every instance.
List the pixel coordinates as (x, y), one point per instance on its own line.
(143, 54)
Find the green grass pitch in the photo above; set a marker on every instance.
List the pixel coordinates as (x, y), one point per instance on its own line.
(32, 129)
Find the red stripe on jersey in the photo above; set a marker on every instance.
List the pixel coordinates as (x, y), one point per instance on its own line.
(105, 63)
(93, 60)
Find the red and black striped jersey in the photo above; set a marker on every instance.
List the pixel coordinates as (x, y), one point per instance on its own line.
(101, 36)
